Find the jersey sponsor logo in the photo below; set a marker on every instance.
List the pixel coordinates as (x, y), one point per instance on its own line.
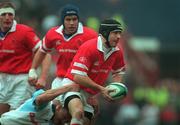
(68, 50)
(104, 70)
(100, 71)
(7, 51)
(94, 71)
(58, 43)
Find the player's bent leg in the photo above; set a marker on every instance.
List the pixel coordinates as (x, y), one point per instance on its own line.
(4, 108)
(75, 107)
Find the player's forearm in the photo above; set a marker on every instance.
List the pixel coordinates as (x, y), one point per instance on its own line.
(117, 78)
(38, 58)
(48, 96)
(87, 82)
(53, 93)
(32, 75)
(46, 63)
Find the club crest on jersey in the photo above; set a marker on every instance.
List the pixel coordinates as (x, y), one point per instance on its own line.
(83, 59)
(58, 42)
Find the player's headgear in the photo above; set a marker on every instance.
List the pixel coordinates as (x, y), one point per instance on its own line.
(107, 26)
(68, 10)
(7, 7)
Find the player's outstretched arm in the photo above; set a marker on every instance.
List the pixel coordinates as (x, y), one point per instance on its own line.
(50, 94)
(37, 60)
(46, 63)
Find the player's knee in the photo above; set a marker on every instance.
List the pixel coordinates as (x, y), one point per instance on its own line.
(78, 113)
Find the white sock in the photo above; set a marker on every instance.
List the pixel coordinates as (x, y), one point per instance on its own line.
(75, 121)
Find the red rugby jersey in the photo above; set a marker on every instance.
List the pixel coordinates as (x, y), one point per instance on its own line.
(16, 49)
(90, 60)
(66, 48)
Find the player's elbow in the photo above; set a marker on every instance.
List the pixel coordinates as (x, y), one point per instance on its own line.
(39, 100)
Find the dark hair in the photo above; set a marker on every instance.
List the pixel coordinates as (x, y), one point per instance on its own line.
(68, 10)
(7, 4)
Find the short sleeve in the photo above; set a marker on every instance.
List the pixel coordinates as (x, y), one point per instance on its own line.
(32, 40)
(34, 96)
(82, 61)
(49, 40)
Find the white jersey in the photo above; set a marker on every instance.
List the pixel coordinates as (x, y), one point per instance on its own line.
(29, 114)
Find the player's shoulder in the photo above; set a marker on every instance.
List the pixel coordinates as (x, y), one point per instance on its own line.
(89, 30)
(38, 92)
(52, 31)
(88, 33)
(120, 50)
(24, 27)
(90, 44)
(118, 53)
(52, 34)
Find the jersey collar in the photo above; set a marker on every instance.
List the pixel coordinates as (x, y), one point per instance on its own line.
(100, 45)
(100, 48)
(13, 28)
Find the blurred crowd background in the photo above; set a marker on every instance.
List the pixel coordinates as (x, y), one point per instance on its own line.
(151, 42)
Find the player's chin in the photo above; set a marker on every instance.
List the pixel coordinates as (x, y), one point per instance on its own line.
(72, 30)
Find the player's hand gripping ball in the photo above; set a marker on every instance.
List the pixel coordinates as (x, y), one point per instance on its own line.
(120, 90)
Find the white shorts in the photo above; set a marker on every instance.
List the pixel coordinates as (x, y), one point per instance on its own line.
(82, 95)
(14, 89)
(56, 83)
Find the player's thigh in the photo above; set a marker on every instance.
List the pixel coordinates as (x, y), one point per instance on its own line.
(73, 101)
(4, 87)
(75, 107)
(21, 90)
(56, 83)
(76, 103)
(15, 89)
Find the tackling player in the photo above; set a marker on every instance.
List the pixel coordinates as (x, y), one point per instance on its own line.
(39, 109)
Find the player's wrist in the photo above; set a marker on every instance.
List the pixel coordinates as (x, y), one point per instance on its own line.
(32, 73)
(100, 88)
(39, 86)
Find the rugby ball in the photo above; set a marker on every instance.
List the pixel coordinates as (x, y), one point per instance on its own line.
(120, 90)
